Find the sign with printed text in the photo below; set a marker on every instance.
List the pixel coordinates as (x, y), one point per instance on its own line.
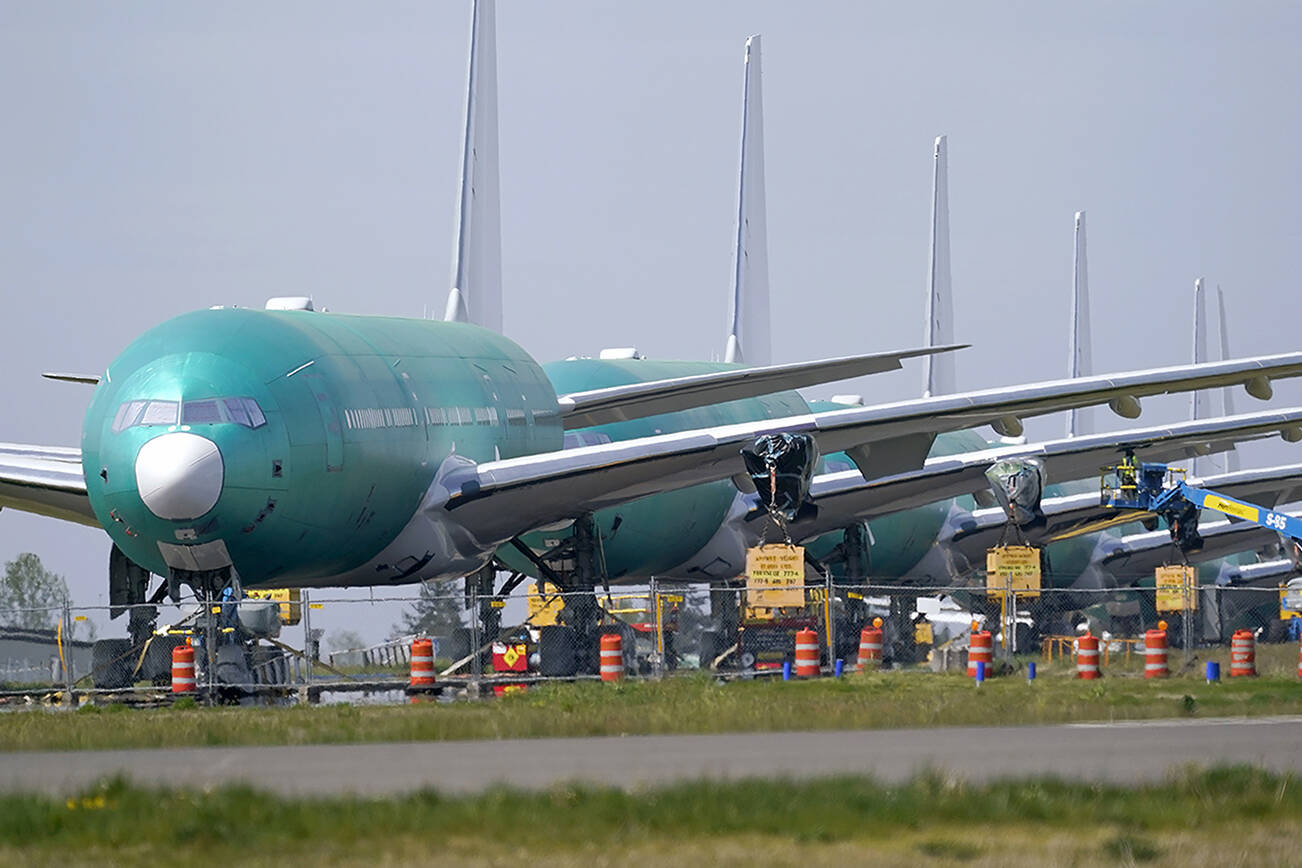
(1290, 600)
(1232, 507)
(290, 599)
(1177, 588)
(545, 604)
(775, 575)
(1015, 566)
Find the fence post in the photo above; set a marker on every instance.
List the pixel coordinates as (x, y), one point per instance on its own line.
(1186, 617)
(476, 663)
(657, 609)
(829, 617)
(67, 653)
(307, 638)
(1010, 628)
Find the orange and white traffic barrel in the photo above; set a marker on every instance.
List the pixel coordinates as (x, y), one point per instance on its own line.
(1243, 654)
(1087, 658)
(422, 665)
(980, 649)
(183, 669)
(612, 657)
(807, 653)
(1155, 654)
(870, 647)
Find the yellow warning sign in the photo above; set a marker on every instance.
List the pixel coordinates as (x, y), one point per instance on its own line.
(290, 599)
(1177, 588)
(1290, 600)
(1018, 566)
(775, 575)
(545, 606)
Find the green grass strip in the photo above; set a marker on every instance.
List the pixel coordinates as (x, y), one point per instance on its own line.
(118, 815)
(692, 704)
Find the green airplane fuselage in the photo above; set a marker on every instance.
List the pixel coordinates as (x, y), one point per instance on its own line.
(359, 413)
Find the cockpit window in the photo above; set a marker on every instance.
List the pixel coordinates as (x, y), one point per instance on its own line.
(200, 413)
(256, 419)
(159, 413)
(210, 411)
(128, 414)
(235, 409)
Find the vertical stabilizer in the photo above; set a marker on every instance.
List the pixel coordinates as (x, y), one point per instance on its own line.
(1198, 400)
(750, 338)
(476, 295)
(1079, 358)
(938, 370)
(1227, 394)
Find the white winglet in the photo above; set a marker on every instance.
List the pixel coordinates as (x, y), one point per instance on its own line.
(476, 295)
(938, 372)
(1079, 361)
(749, 340)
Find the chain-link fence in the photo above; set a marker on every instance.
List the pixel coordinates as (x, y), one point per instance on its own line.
(268, 648)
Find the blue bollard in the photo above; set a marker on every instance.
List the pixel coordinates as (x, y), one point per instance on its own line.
(786, 670)
(839, 669)
(1213, 671)
(980, 672)
(1030, 671)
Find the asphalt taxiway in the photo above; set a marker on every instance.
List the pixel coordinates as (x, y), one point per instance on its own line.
(1117, 752)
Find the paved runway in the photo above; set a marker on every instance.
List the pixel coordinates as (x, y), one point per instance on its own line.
(1124, 752)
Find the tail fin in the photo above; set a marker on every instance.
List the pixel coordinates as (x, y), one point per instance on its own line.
(749, 340)
(938, 371)
(1227, 395)
(1079, 357)
(476, 294)
(1199, 401)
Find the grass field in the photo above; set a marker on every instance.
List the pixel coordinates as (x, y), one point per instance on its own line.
(685, 704)
(1217, 817)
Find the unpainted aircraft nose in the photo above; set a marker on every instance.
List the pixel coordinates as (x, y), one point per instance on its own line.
(179, 476)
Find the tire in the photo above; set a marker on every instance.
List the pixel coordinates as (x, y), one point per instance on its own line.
(556, 652)
(158, 659)
(112, 663)
(232, 666)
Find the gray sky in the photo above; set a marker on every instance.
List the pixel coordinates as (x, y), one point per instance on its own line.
(160, 157)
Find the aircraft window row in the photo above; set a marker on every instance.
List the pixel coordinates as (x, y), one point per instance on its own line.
(575, 439)
(380, 417)
(400, 417)
(209, 411)
(461, 415)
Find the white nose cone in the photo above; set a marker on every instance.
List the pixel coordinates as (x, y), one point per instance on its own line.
(179, 476)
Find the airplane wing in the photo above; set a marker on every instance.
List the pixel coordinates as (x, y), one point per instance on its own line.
(498, 500)
(637, 400)
(46, 480)
(845, 497)
(1075, 514)
(86, 379)
(1135, 556)
(1263, 574)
